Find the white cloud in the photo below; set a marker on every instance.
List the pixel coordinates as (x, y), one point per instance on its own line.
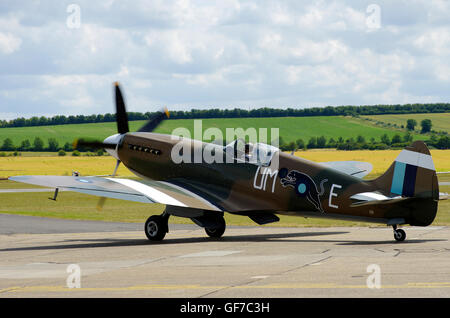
(435, 41)
(9, 43)
(196, 53)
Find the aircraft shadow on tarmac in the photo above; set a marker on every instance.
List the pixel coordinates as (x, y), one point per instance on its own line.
(412, 241)
(284, 237)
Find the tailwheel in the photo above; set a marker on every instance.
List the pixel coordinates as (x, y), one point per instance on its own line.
(156, 227)
(399, 234)
(218, 230)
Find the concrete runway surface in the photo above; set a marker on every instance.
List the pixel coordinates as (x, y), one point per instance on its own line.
(117, 261)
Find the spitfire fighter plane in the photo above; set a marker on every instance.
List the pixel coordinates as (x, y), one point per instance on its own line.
(254, 180)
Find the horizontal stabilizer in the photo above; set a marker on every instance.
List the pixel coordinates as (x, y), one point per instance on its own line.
(357, 169)
(373, 198)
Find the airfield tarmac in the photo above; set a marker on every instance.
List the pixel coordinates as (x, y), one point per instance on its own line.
(116, 260)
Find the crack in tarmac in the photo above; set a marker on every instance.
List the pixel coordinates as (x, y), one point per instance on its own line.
(260, 279)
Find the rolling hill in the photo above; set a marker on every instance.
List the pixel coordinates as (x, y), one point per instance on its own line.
(441, 121)
(290, 128)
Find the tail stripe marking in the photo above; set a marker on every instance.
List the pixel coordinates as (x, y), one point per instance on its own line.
(398, 178)
(416, 159)
(410, 181)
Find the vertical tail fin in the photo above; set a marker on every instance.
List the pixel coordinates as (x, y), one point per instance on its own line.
(412, 174)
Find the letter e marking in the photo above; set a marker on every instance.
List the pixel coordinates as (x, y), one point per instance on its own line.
(332, 194)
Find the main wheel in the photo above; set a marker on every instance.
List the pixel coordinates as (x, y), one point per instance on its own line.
(155, 228)
(399, 235)
(218, 230)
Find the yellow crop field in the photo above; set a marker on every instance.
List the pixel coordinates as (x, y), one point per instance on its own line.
(59, 166)
(380, 159)
(54, 165)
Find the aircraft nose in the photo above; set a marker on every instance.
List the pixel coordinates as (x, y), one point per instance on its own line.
(113, 140)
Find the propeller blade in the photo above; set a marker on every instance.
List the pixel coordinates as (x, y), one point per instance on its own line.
(95, 144)
(115, 169)
(155, 120)
(121, 113)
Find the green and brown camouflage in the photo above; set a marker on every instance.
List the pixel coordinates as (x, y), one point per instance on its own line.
(296, 186)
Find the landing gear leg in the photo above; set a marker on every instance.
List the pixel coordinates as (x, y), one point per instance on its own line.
(157, 226)
(399, 234)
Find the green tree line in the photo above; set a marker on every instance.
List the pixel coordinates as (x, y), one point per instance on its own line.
(236, 113)
(37, 144)
(360, 142)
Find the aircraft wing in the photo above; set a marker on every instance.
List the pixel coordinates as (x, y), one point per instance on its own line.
(144, 191)
(357, 169)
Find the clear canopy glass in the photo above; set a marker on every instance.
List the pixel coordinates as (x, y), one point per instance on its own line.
(258, 154)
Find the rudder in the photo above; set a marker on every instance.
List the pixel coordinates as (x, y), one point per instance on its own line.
(413, 175)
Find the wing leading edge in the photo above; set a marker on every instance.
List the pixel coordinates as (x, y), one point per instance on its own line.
(124, 189)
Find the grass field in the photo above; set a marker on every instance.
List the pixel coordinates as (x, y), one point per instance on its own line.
(72, 205)
(290, 128)
(441, 122)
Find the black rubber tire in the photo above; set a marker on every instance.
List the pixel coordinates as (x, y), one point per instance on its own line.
(218, 231)
(399, 235)
(155, 228)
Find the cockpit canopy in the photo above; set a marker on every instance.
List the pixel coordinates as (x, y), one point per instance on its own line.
(258, 154)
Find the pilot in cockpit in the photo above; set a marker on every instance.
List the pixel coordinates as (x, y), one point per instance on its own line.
(248, 149)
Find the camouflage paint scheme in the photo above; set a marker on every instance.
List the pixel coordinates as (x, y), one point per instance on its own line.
(295, 187)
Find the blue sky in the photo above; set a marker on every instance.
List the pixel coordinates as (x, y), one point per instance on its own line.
(55, 59)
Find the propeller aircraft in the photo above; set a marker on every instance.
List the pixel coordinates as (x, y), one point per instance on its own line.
(254, 180)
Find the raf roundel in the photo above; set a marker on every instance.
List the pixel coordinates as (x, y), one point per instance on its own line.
(301, 188)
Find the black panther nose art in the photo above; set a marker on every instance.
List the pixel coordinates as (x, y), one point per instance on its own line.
(303, 185)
